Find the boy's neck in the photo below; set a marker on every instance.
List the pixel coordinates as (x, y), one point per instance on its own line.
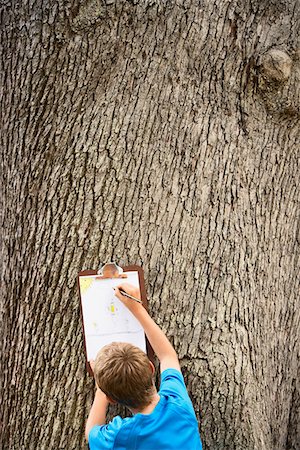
(149, 408)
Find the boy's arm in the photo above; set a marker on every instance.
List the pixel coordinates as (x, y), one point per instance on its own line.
(97, 415)
(157, 338)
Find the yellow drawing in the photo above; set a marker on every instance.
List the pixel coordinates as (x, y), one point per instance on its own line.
(112, 309)
(85, 283)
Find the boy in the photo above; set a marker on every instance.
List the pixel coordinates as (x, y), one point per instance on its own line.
(163, 420)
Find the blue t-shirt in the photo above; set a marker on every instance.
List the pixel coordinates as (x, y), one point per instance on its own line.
(172, 425)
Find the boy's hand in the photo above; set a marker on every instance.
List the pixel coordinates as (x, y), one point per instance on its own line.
(130, 289)
(131, 304)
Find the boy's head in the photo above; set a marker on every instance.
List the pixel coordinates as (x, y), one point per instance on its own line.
(124, 373)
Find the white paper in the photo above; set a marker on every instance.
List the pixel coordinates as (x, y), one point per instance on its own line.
(105, 318)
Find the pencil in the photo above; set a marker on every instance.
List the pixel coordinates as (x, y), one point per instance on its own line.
(130, 296)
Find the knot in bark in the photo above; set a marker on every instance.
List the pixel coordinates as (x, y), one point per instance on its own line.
(89, 14)
(275, 66)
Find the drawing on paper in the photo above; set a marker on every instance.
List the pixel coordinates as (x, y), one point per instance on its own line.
(85, 283)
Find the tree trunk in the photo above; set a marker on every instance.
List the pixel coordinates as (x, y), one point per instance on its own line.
(166, 134)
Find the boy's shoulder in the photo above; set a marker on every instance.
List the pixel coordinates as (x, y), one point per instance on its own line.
(173, 387)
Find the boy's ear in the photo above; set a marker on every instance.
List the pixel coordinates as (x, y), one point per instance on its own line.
(152, 367)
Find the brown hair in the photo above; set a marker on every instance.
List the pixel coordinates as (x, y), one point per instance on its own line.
(123, 372)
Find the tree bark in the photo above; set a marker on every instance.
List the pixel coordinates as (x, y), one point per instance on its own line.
(164, 134)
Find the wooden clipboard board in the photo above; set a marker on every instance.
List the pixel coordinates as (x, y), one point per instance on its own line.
(117, 275)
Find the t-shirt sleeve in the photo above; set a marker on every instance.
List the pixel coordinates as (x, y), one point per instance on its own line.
(103, 436)
(172, 384)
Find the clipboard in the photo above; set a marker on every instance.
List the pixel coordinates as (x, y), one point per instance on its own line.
(104, 318)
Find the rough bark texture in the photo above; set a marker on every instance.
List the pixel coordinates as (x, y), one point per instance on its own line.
(166, 134)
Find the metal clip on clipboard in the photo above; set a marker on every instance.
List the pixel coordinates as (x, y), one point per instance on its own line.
(110, 270)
